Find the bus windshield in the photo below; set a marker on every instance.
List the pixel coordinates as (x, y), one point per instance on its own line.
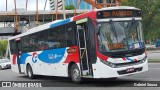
(120, 35)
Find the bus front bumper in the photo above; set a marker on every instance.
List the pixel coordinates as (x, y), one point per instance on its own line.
(100, 70)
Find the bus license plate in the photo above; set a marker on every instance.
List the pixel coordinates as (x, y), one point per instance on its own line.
(130, 70)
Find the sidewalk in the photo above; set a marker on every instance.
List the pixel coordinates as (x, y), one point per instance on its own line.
(153, 51)
(153, 54)
(152, 47)
(154, 60)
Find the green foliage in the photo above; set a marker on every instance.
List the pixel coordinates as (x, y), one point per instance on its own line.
(151, 16)
(69, 7)
(3, 47)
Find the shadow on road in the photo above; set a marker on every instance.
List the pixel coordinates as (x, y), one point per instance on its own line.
(66, 82)
(5, 69)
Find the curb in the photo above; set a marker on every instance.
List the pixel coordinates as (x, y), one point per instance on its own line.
(153, 60)
(150, 49)
(153, 51)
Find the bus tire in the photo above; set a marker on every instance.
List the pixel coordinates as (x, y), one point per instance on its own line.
(75, 74)
(30, 72)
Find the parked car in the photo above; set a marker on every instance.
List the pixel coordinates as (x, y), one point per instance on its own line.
(5, 64)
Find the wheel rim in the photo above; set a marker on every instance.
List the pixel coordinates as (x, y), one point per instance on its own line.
(76, 74)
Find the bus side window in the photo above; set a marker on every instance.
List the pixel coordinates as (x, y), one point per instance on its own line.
(54, 38)
(43, 46)
(70, 34)
(42, 41)
(13, 46)
(33, 43)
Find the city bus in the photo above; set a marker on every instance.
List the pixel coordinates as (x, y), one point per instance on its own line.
(103, 43)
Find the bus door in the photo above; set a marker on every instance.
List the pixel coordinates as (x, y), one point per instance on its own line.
(18, 52)
(82, 43)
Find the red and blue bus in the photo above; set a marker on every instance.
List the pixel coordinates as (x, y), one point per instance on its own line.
(103, 43)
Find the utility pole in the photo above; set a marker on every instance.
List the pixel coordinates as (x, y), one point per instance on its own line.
(56, 9)
(16, 26)
(64, 13)
(6, 5)
(26, 4)
(36, 12)
(7, 51)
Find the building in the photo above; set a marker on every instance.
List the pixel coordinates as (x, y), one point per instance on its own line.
(79, 4)
(82, 4)
(109, 3)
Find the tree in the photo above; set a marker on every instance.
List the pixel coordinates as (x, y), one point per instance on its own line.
(150, 14)
(3, 47)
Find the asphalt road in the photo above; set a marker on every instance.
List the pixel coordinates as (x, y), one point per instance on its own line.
(153, 74)
(154, 54)
(59, 83)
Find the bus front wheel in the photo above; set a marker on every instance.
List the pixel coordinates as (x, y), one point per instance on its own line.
(30, 72)
(75, 74)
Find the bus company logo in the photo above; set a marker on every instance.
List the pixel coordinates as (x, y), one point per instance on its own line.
(35, 57)
(54, 56)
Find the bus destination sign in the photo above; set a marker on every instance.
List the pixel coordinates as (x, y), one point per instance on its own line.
(118, 13)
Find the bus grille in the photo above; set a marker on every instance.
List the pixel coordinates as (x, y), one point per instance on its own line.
(124, 54)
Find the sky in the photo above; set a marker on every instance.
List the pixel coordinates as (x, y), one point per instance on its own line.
(22, 4)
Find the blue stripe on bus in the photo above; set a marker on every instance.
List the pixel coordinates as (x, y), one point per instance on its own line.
(52, 56)
(60, 23)
(131, 60)
(47, 56)
(23, 58)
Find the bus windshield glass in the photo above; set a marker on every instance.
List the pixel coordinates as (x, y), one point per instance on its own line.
(120, 36)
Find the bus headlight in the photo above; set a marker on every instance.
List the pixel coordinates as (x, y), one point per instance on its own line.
(108, 63)
(144, 59)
